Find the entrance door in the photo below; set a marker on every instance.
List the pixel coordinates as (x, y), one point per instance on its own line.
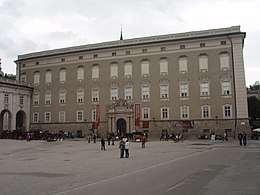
(121, 126)
(20, 120)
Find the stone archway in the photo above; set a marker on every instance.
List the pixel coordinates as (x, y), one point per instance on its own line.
(21, 120)
(121, 126)
(5, 120)
(120, 116)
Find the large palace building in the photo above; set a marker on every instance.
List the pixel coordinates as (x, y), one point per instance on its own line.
(191, 82)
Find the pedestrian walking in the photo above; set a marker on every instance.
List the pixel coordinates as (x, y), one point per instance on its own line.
(103, 144)
(240, 138)
(213, 137)
(143, 140)
(226, 136)
(108, 139)
(244, 138)
(122, 148)
(94, 138)
(28, 137)
(127, 148)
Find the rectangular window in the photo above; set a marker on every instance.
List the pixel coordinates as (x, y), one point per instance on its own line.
(47, 117)
(163, 48)
(144, 50)
(164, 67)
(48, 98)
(36, 78)
(205, 112)
(80, 73)
(61, 116)
(182, 46)
(95, 72)
(184, 90)
(114, 71)
(113, 53)
(79, 116)
(48, 77)
(35, 117)
(63, 75)
(21, 99)
(164, 91)
(128, 69)
(128, 93)
(36, 99)
(93, 115)
(227, 111)
(146, 113)
(62, 97)
(95, 56)
(95, 95)
(164, 113)
(226, 88)
(184, 112)
(183, 65)
(224, 61)
(127, 52)
(114, 94)
(202, 44)
(80, 96)
(6, 98)
(145, 92)
(204, 89)
(203, 63)
(145, 68)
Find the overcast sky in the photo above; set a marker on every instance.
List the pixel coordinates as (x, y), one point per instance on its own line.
(34, 25)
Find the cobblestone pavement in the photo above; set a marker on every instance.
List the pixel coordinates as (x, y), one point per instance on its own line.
(40, 167)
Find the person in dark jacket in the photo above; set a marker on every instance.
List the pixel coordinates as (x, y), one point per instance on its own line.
(103, 144)
(122, 148)
(240, 138)
(244, 138)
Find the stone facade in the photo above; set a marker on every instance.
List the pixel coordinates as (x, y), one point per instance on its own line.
(15, 99)
(187, 82)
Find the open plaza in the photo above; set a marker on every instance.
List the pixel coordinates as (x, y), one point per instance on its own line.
(162, 167)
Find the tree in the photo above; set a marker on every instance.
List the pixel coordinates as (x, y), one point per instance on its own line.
(9, 76)
(254, 110)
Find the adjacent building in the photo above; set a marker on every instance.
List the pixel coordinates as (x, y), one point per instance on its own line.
(191, 83)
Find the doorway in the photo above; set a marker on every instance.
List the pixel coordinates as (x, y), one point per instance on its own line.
(121, 126)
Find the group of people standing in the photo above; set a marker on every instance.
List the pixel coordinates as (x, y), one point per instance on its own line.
(124, 148)
(242, 138)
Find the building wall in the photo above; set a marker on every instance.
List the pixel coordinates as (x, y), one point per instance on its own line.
(14, 90)
(30, 63)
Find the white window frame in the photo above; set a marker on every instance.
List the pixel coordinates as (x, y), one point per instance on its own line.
(36, 78)
(164, 91)
(205, 111)
(113, 70)
(184, 90)
(163, 66)
(145, 113)
(95, 94)
(95, 72)
(36, 117)
(128, 93)
(36, 99)
(6, 98)
(80, 73)
(48, 76)
(204, 89)
(48, 98)
(145, 68)
(63, 75)
(227, 111)
(226, 87)
(145, 92)
(184, 112)
(62, 97)
(224, 61)
(114, 94)
(80, 116)
(183, 64)
(203, 63)
(128, 69)
(80, 96)
(62, 116)
(47, 117)
(165, 112)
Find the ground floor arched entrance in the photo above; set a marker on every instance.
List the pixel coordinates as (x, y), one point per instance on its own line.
(21, 121)
(120, 117)
(121, 126)
(5, 120)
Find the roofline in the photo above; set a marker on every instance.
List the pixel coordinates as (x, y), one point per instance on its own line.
(234, 30)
